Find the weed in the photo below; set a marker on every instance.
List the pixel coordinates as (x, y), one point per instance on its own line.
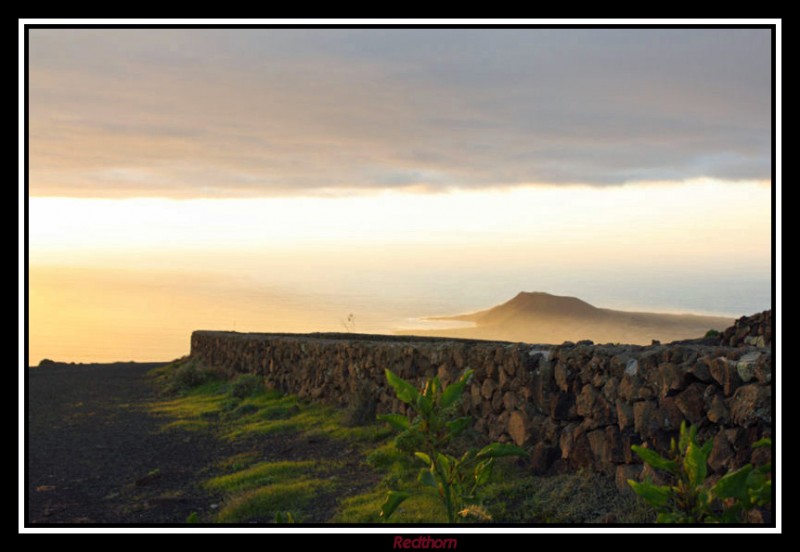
(263, 503)
(284, 517)
(185, 374)
(245, 385)
(692, 498)
(427, 433)
(581, 497)
(258, 475)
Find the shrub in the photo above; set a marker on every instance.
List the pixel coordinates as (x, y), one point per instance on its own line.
(427, 433)
(244, 386)
(692, 498)
(186, 374)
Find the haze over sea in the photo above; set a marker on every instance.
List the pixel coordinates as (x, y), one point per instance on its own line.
(284, 179)
(129, 292)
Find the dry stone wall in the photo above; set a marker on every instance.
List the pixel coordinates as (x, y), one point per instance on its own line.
(749, 330)
(571, 405)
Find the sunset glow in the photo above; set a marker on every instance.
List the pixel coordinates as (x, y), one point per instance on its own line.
(280, 180)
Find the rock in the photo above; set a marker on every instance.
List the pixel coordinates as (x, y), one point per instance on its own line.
(724, 372)
(624, 414)
(721, 453)
(718, 411)
(632, 367)
(610, 390)
(567, 439)
(691, 404)
(496, 430)
(518, 428)
(669, 415)
(543, 458)
(550, 430)
(751, 404)
(645, 392)
(761, 456)
(763, 369)
(700, 370)
(510, 401)
(487, 389)
(581, 452)
(628, 388)
(606, 445)
(497, 403)
(584, 404)
(628, 439)
(475, 396)
(746, 366)
(502, 380)
(562, 374)
(670, 378)
(444, 374)
(645, 423)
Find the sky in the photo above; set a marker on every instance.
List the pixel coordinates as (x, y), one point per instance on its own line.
(268, 179)
(266, 112)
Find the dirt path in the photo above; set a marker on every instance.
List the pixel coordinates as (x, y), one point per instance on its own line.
(94, 455)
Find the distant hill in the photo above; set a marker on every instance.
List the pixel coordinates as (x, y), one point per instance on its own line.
(538, 317)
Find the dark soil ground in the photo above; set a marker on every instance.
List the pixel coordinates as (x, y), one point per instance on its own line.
(95, 455)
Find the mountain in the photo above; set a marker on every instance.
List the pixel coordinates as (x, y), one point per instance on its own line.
(538, 317)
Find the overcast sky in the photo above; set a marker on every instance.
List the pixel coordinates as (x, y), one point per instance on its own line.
(240, 112)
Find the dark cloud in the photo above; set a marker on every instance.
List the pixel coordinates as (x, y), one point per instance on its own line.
(258, 112)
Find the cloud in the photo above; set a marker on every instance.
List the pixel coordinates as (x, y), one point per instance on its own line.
(230, 112)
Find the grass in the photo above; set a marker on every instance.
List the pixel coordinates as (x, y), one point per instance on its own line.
(582, 498)
(260, 474)
(325, 452)
(263, 503)
(422, 507)
(308, 459)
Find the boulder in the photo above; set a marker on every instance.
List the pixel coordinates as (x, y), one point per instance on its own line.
(691, 404)
(518, 428)
(751, 404)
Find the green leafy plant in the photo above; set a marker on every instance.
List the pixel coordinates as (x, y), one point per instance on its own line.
(691, 498)
(284, 517)
(427, 433)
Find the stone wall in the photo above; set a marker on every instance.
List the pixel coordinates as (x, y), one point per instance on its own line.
(753, 330)
(571, 405)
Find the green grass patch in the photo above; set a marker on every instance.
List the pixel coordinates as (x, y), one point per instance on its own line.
(263, 503)
(423, 506)
(195, 403)
(261, 474)
(238, 461)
